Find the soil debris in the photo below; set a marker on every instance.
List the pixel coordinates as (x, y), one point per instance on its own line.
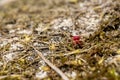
(59, 39)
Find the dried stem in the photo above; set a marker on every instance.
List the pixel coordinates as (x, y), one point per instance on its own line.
(50, 64)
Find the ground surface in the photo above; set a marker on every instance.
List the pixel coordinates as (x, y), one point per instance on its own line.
(48, 26)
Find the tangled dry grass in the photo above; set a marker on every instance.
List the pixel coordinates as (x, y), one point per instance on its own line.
(36, 40)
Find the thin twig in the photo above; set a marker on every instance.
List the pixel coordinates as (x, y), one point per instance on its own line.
(64, 77)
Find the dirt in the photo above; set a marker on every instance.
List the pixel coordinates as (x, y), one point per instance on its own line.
(80, 37)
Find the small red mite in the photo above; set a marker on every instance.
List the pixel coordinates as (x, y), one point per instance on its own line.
(76, 39)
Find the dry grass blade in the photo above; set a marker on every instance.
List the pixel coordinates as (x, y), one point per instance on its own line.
(12, 76)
